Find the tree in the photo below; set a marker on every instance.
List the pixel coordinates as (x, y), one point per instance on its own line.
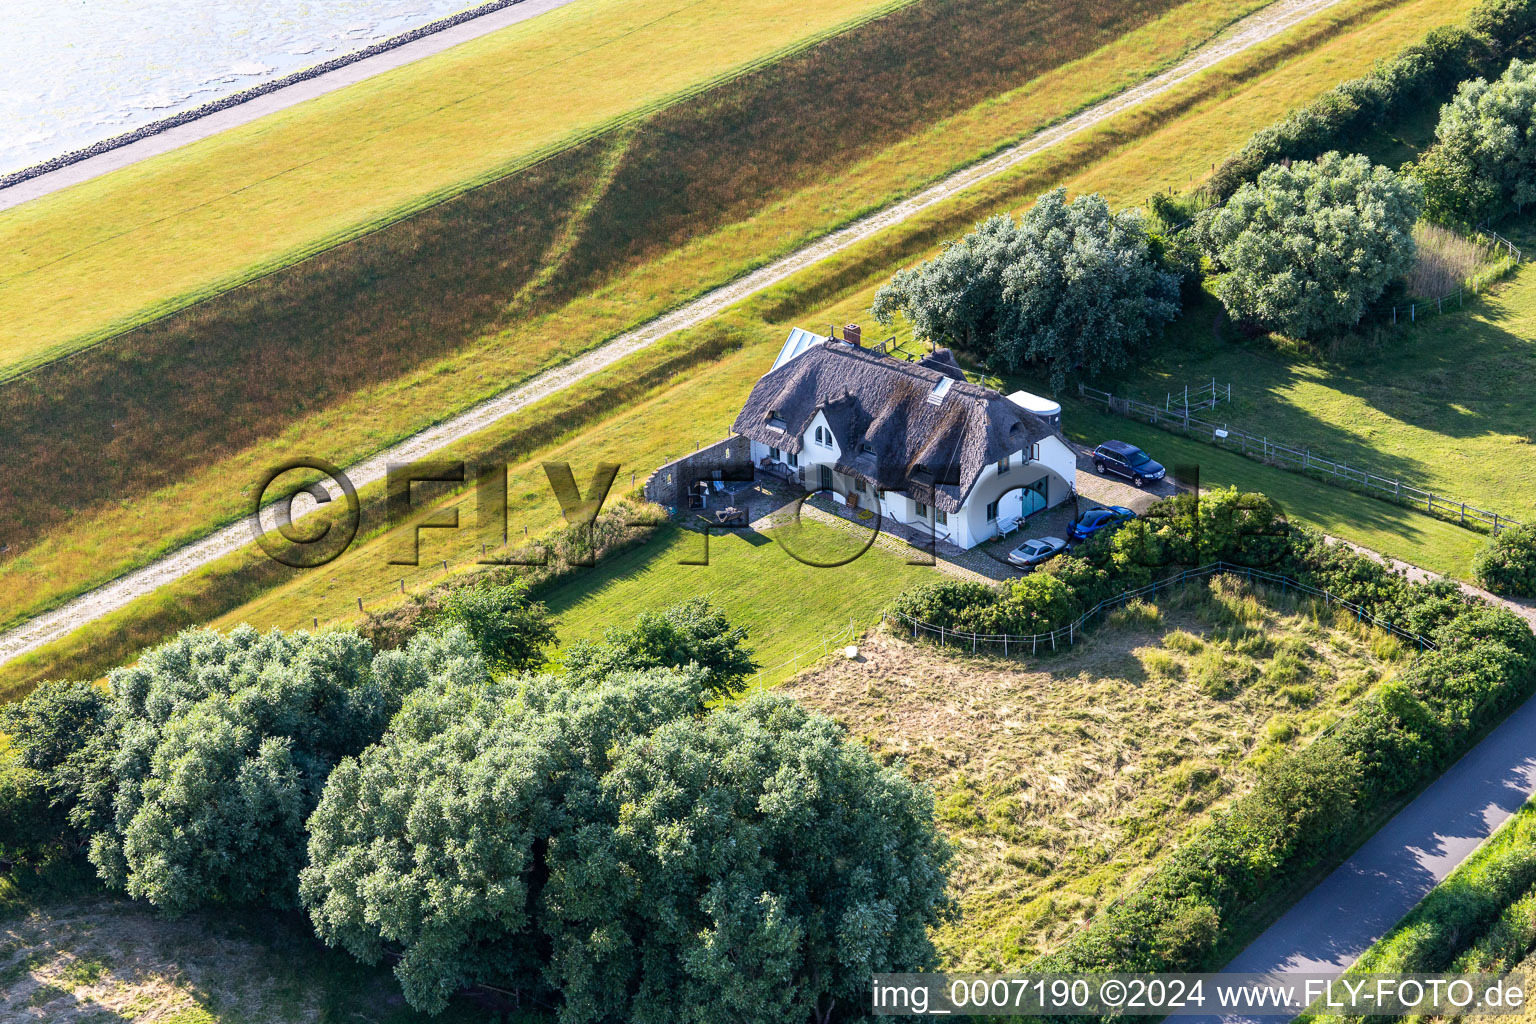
(693, 632)
(509, 630)
(762, 869)
(617, 847)
(219, 747)
(1484, 156)
(1306, 247)
(53, 730)
(436, 840)
(1068, 287)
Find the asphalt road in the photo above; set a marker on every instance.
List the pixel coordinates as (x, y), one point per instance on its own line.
(1331, 926)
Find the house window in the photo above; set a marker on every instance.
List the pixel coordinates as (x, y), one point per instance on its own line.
(922, 510)
(991, 511)
(824, 437)
(792, 459)
(942, 518)
(1002, 465)
(773, 453)
(858, 485)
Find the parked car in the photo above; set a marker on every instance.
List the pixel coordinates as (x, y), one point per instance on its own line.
(1036, 550)
(1128, 461)
(1096, 519)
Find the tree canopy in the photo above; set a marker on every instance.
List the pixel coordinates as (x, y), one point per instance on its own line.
(614, 845)
(1484, 156)
(1307, 247)
(218, 747)
(693, 632)
(1068, 287)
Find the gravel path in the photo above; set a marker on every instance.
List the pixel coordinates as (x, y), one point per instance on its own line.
(1254, 29)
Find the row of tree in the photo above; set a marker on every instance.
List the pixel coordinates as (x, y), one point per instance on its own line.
(1072, 287)
(606, 839)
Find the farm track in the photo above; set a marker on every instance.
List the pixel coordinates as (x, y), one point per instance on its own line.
(94, 604)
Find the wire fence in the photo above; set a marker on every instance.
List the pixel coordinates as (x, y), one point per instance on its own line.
(1413, 312)
(812, 654)
(1265, 449)
(1068, 635)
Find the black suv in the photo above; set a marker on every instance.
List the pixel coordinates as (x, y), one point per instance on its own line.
(1128, 461)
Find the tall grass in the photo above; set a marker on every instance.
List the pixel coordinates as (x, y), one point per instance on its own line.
(1446, 261)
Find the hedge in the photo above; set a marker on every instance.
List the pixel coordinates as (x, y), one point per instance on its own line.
(1423, 73)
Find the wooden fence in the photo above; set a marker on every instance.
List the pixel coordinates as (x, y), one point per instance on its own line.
(1009, 643)
(1263, 448)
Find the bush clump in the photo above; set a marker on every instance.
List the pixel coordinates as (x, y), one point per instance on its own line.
(1507, 564)
(616, 846)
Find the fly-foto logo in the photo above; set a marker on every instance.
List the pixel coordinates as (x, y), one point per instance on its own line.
(328, 529)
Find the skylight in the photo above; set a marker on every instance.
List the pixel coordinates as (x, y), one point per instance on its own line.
(936, 396)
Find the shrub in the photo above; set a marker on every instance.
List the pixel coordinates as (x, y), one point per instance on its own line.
(1484, 156)
(693, 633)
(1069, 286)
(508, 629)
(1507, 564)
(615, 846)
(217, 750)
(1305, 248)
(944, 602)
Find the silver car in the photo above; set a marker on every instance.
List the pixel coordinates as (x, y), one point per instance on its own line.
(1036, 550)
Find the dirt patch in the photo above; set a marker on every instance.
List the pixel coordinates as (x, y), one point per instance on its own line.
(1061, 780)
(110, 960)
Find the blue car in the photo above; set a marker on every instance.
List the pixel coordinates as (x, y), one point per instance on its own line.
(1128, 461)
(1096, 519)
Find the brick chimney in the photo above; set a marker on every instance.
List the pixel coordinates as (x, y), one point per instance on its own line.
(853, 335)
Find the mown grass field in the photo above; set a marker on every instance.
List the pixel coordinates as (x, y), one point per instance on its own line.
(789, 607)
(84, 262)
(1443, 404)
(386, 335)
(703, 405)
(1062, 779)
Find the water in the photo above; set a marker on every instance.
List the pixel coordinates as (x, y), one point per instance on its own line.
(74, 72)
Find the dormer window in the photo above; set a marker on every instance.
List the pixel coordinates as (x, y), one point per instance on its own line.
(775, 421)
(866, 448)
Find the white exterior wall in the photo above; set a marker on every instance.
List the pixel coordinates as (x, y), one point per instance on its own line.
(1055, 463)
(1054, 460)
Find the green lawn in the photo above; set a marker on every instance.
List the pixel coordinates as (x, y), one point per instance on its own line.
(790, 607)
(1444, 404)
(1381, 525)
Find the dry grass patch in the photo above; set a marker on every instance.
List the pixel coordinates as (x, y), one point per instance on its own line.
(1446, 260)
(1061, 780)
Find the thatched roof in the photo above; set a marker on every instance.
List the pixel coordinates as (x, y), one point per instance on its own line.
(889, 432)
